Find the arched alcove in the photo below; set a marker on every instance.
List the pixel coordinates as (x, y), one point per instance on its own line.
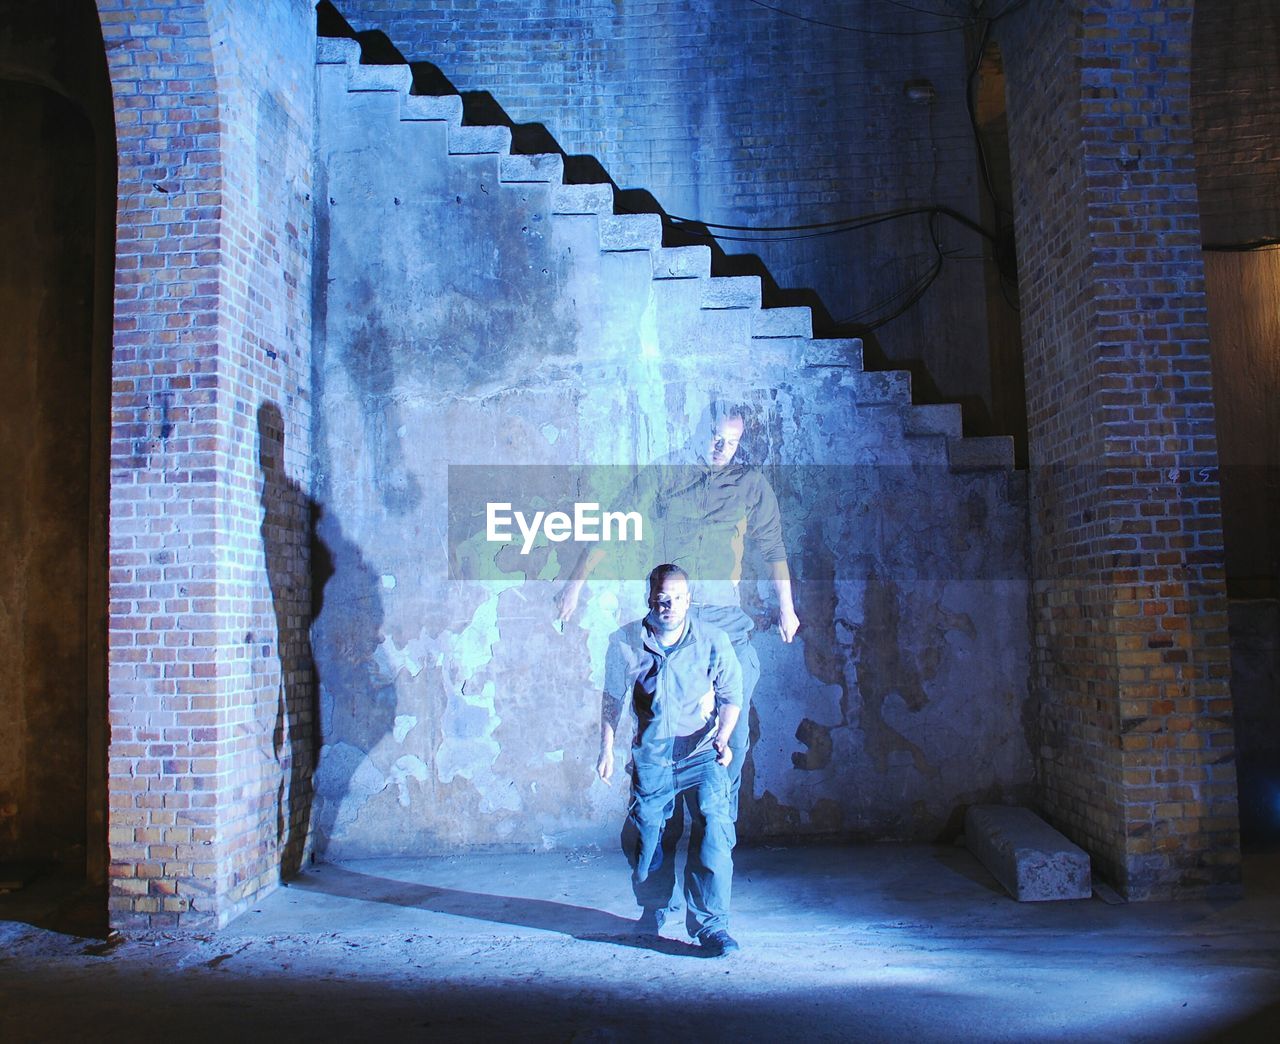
(1004, 339)
(57, 191)
(1235, 95)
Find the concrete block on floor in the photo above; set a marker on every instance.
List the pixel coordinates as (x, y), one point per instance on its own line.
(1026, 855)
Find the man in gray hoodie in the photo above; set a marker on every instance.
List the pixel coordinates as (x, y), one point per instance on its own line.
(684, 684)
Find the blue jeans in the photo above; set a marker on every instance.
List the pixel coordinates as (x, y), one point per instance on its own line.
(665, 775)
(738, 626)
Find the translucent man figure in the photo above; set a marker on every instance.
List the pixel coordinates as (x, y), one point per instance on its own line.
(711, 508)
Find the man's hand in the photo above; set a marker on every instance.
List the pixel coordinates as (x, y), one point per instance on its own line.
(604, 766)
(723, 754)
(788, 623)
(567, 600)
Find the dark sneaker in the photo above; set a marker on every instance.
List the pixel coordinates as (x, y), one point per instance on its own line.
(719, 944)
(650, 922)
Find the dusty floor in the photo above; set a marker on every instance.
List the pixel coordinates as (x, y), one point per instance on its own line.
(870, 943)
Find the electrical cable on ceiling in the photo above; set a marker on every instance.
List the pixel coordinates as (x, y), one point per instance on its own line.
(1012, 6)
(924, 10)
(858, 29)
(900, 301)
(964, 21)
(909, 295)
(832, 227)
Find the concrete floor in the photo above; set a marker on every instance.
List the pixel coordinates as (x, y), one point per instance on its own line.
(871, 943)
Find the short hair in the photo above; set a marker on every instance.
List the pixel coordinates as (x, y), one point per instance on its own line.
(725, 408)
(660, 573)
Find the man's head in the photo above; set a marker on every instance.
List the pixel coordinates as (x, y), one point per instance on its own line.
(668, 598)
(721, 431)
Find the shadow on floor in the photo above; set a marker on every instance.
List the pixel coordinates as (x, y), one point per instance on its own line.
(961, 861)
(57, 903)
(580, 922)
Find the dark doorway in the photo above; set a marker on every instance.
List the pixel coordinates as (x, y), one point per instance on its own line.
(57, 221)
(46, 299)
(991, 131)
(1235, 102)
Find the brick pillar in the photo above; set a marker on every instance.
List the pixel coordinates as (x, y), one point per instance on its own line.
(208, 671)
(1132, 671)
(264, 58)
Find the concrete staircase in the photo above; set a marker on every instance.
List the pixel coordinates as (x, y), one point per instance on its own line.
(781, 335)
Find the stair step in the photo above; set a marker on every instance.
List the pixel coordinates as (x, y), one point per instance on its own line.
(731, 292)
(479, 141)
(520, 169)
(983, 453)
(844, 352)
(689, 262)
(337, 50)
(934, 419)
(881, 387)
(786, 352)
(782, 322)
(582, 199)
(432, 107)
(630, 232)
(380, 78)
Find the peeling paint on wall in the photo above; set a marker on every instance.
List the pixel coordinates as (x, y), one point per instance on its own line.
(404, 769)
(902, 696)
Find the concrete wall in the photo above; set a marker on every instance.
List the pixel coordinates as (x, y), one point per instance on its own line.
(727, 112)
(262, 59)
(1236, 109)
(473, 312)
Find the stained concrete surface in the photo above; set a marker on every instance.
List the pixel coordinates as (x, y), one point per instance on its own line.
(883, 942)
(482, 338)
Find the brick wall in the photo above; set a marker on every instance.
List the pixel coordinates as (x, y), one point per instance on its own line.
(734, 114)
(1079, 769)
(1131, 672)
(264, 60)
(209, 682)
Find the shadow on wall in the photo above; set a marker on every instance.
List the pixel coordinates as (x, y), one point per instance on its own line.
(286, 511)
(355, 702)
